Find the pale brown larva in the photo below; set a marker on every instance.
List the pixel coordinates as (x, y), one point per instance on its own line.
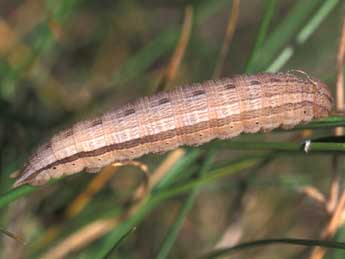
(190, 115)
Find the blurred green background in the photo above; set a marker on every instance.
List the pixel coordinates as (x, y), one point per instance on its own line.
(63, 61)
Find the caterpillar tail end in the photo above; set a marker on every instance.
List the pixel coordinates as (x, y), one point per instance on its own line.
(20, 181)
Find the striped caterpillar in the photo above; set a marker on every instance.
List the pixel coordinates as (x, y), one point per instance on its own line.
(190, 115)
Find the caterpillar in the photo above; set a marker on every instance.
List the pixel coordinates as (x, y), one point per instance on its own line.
(188, 115)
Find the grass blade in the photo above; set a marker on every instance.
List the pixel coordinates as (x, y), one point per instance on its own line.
(283, 33)
(152, 202)
(116, 245)
(270, 6)
(304, 34)
(174, 229)
(165, 42)
(286, 241)
(15, 194)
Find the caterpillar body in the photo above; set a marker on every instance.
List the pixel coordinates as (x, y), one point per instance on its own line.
(189, 115)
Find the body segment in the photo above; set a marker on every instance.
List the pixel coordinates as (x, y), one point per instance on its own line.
(190, 115)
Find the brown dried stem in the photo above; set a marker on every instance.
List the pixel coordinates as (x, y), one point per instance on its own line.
(331, 227)
(77, 205)
(314, 194)
(334, 188)
(340, 77)
(81, 238)
(180, 50)
(230, 31)
(91, 189)
(144, 188)
(99, 228)
(335, 206)
(340, 105)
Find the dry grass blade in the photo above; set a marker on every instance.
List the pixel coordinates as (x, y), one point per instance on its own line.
(332, 226)
(336, 218)
(232, 235)
(340, 77)
(13, 236)
(92, 188)
(180, 50)
(314, 194)
(166, 165)
(340, 105)
(230, 31)
(81, 238)
(144, 188)
(98, 183)
(77, 205)
(334, 188)
(169, 75)
(334, 205)
(98, 228)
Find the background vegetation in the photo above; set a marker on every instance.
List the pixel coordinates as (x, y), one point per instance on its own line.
(62, 61)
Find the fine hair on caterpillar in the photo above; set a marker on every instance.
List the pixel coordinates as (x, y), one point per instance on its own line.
(189, 115)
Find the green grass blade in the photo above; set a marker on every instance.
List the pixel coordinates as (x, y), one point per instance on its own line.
(15, 194)
(285, 241)
(327, 148)
(116, 235)
(283, 33)
(329, 122)
(151, 203)
(175, 228)
(178, 168)
(270, 6)
(304, 34)
(339, 254)
(116, 245)
(213, 175)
